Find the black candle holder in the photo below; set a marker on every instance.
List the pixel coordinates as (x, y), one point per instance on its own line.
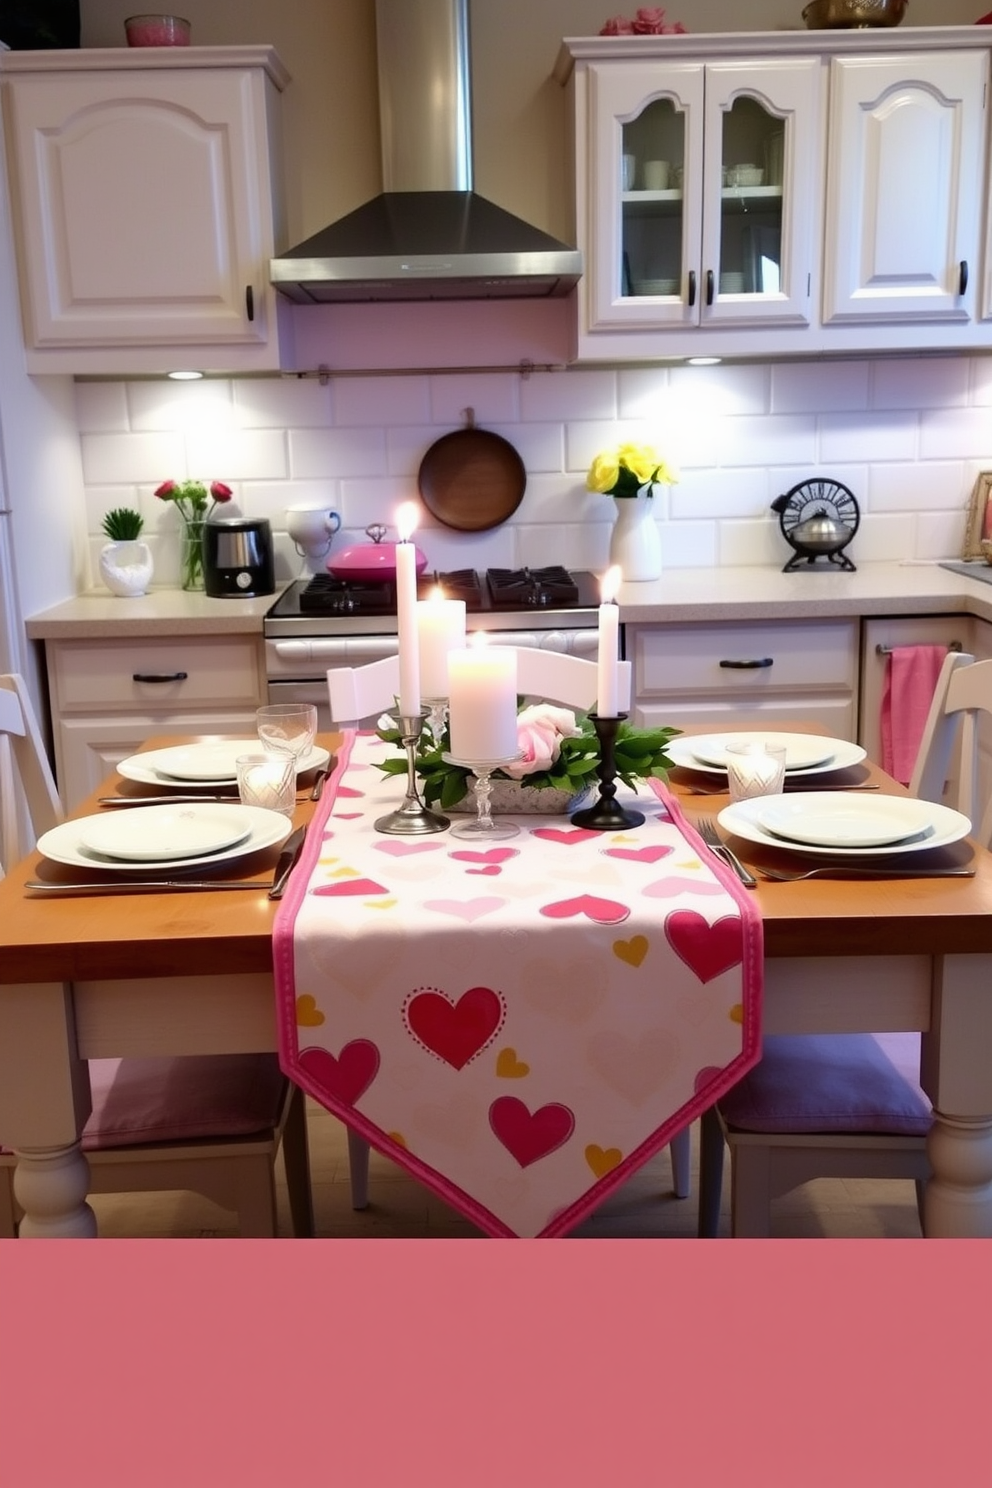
(607, 815)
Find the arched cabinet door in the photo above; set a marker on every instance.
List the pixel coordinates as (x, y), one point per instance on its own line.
(904, 187)
(144, 213)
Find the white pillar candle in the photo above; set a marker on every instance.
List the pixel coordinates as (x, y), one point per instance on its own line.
(482, 702)
(440, 629)
(406, 611)
(608, 659)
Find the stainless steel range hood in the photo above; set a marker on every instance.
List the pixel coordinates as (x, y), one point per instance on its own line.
(429, 236)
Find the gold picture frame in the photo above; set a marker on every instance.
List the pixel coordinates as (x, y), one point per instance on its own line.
(979, 517)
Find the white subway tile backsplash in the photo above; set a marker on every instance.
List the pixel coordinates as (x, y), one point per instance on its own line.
(906, 436)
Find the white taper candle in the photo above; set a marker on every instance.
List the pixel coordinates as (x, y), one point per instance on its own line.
(608, 675)
(406, 611)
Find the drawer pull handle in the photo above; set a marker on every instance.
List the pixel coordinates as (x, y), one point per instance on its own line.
(709, 286)
(963, 276)
(692, 287)
(159, 676)
(250, 302)
(748, 666)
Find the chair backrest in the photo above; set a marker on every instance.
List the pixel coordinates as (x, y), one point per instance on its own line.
(358, 693)
(29, 799)
(949, 748)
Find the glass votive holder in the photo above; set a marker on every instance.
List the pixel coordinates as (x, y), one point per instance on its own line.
(267, 780)
(755, 769)
(156, 30)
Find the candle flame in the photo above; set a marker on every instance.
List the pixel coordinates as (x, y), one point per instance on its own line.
(609, 584)
(406, 520)
(478, 638)
(437, 592)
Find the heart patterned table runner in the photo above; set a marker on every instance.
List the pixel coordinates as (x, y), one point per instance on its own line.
(520, 1025)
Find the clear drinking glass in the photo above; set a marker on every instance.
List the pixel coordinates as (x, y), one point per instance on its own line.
(287, 728)
(755, 769)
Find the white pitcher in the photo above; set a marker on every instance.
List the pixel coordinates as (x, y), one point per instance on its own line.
(312, 528)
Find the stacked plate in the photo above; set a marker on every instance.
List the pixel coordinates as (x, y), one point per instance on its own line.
(164, 836)
(805, 754)
(841, 823)
(189, 766)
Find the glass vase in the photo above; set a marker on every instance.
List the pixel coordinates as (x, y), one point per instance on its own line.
(191, 554)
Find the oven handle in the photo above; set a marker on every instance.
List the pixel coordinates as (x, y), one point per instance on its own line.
(336, 650)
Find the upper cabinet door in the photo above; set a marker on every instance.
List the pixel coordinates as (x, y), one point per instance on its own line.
(144, 218)
(701, 201)
(904, 187)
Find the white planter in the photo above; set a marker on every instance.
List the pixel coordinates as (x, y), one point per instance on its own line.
(126, 568)
(635, 542)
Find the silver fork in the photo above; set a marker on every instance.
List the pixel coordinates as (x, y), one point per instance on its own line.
(707, 829)
(842, 870)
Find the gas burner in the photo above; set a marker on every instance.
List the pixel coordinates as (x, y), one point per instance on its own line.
(460, 583)
(514, 588)
(326, 595)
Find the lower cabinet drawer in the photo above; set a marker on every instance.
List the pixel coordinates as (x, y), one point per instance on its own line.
(746, 660)
(168, 674)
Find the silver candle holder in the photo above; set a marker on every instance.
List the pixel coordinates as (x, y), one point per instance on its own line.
(413, 818)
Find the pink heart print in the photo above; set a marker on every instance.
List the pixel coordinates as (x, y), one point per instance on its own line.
(455, 1031)
(652, 854)
(708, 950)
(349, 888)
(529, 1136)
(601, 911)
(347, 1077)
(396, 847)
(568, 836)
(490, 855)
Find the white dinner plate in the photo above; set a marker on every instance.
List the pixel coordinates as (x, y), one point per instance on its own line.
(805, 754)
(154, 766)
(64, 843)
(744, 819)
(846, 821)
(164, 833)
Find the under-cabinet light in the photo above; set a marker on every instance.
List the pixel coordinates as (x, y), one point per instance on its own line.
(185, 376)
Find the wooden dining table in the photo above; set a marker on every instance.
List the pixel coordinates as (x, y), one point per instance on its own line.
(191, 972)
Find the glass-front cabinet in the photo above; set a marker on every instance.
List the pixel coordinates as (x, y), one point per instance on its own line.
(703, 192)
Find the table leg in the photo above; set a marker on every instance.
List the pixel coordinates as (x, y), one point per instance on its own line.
(956, 1073)
(44, 1103)
(957, 1201)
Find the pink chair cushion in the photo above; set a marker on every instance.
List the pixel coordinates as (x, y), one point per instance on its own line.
(832, 1082)
(137, 1101)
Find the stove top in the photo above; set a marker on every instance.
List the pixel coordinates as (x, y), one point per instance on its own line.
(541, 598)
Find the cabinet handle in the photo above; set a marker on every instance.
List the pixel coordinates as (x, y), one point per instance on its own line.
(749, 666)
(250, 301)
(692, 286)
(159, 676)
(963, 276)
(709, 286)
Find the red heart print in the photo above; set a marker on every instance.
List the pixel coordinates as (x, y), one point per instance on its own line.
(708, 950)
(455, 1031)
(529, 1137)
(347, 1077)
(488, 872)
(347, 815)
(569, 836)
(602, 911)
(348, 790)
(640, 854)
(491, 855)
(350, 887)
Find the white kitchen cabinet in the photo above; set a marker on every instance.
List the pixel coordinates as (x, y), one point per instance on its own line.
(761, 674)
(905, 187)
(697, 195)
(146, 206)
(109, 697)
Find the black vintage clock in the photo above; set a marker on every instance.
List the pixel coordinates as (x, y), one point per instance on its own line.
(818, 519)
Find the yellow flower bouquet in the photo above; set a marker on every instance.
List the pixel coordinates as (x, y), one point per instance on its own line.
(627, 469)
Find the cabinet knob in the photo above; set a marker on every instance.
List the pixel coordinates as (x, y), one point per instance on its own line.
(250, 302)
(963, 276)
(749, 666)
(159, 676)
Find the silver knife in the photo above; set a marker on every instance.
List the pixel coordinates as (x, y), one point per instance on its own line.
(146, 886)
(291, 850)
(164, 800)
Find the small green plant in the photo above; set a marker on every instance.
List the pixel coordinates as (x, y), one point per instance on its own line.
(123, 524)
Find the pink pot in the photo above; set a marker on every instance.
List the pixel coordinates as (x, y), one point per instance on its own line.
(370, 563)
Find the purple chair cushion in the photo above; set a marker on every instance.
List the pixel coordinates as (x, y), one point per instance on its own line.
(832, 1082)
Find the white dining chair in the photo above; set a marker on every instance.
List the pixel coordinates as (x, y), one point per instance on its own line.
(210, 1124)
(846, 1105)
(357, 693)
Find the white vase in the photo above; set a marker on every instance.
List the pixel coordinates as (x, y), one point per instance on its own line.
(635, 542)
(126, 568)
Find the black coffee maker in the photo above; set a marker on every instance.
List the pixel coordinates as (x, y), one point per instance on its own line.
(237, 558)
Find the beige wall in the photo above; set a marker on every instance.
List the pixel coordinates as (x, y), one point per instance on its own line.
(331, 111)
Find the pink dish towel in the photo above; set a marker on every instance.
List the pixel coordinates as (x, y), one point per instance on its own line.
(909, 687)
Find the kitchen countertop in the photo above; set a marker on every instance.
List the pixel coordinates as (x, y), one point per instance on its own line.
(681, 594)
